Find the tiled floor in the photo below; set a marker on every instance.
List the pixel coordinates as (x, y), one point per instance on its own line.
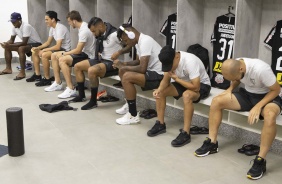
(85, 147)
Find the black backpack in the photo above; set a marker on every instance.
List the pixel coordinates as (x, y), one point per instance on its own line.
(202, 53)
(56, 107)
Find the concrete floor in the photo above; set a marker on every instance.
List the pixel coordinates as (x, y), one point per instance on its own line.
(85, 147)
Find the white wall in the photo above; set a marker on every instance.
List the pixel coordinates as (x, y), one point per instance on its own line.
(6, 8)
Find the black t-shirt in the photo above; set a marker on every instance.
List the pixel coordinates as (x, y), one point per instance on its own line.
(222, 40)
(274, 42)
(169, 30)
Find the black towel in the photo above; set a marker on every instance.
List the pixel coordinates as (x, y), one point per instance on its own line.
(99, 40)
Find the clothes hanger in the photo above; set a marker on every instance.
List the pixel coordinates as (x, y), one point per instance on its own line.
(230, 14)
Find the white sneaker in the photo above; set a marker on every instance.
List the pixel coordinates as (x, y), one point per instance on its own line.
(128, 119)
(123, 110)
(54, 87)
(67, 93)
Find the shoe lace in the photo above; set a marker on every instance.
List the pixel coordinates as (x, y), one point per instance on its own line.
(181, 135)
(256, 164)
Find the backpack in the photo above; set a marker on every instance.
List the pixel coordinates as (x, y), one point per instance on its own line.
(202, 53)
(56, 107)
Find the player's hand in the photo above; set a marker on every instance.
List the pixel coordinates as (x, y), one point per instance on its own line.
(172, 75)
(115, 55)
(2, 45)
(254, 115)
(156, 93)
(117, 64)
(34, 49)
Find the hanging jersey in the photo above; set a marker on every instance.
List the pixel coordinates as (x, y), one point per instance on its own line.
(222, 40)
(169, 30)
(274, 42)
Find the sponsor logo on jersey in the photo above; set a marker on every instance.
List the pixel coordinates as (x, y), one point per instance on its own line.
(279, 78)
(217, 67)
(219, 78)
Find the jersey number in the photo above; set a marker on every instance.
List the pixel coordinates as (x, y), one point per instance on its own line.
(278, 63)
(223, 48)
(173, 41)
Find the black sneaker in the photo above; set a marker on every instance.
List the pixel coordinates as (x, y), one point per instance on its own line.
(207, 148)
(157, 129)
(118, 85)
(43, 82)
(258, 168)
(77, 99)
(182, 139)
(33, 78)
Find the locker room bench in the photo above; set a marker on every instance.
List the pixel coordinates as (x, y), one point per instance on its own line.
(230, 117)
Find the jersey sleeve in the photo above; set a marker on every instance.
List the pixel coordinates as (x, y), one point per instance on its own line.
(51, 32)
(164, 29)
(82, 37)
(213, 36)
(267, 77)
(27, 31)
(146, 48)
(268, 40)
(60, 34)
(194, 71)
(14, 32)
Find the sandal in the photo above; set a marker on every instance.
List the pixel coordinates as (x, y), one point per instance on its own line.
(144, 113)
(19, 78)
(199, 130)
(110, 99)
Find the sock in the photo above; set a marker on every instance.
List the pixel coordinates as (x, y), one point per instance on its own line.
(80, 86)
(132, 107)
(94, 92)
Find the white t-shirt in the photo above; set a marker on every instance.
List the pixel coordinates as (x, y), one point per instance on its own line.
(26, 30)
(61, 32)
(111, 45)
(258, 77)
(86, 36)
(147, 46)
(191, 67)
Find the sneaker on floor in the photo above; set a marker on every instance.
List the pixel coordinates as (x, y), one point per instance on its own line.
(157, 129)
(207, 148)
(123, 110)
(128, 119)
(43, 82)
(258, 168)
(182, 139)
(54, 87)
(67, 93)
(101, 94)
(33, 78)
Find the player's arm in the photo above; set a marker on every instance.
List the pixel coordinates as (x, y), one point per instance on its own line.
(18, 44)
(165, 82)
(77, 50)
(9, 42)
(55, 47)
(44, 45)
(138, 65)
(124, 50)
(193, 85)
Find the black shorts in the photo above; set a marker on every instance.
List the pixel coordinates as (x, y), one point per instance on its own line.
(204, 91)
(248, 100)
(61, 49)
(153, 80)
(78, 57)
(110, 71)
(29, 53)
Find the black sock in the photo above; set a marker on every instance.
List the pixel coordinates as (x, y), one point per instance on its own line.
(132, 107)
(94, 92)
(80, 86)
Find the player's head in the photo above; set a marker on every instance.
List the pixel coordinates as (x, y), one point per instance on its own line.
(127, 34)
(73, 18)
(167, 57)
(16, 19)
(96, 26)
(232, 70)
(51, 17)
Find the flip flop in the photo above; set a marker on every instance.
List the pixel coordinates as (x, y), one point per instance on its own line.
(152, 113)
(248, 147)
(4, 73)
(144, 113)
(253, 151)
(19, 78)
(110, 99)
(199, 130)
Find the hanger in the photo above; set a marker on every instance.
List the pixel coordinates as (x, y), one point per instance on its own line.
(230, 14)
